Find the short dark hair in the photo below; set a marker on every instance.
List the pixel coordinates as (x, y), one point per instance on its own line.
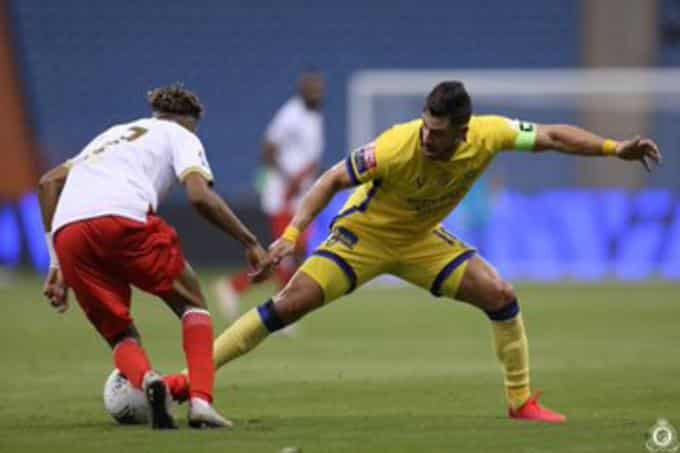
(175, 100)
(450, 99)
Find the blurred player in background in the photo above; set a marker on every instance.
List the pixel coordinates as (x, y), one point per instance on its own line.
(407, 182)
(291, 157)
(99, 214)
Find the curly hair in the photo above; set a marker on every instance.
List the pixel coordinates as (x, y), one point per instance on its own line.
(175, 100)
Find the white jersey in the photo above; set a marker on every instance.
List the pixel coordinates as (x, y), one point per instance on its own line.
(297, 133)
(128, 169)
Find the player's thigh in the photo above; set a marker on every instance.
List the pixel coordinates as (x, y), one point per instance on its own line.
(483, 286)
(151, 257)
(346, 260)
(103, 295)
(436, 262)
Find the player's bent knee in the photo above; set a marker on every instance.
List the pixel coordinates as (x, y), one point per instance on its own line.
(131, 333)
(507, 293)
(300, 296)
(499, 295)
(186, 293)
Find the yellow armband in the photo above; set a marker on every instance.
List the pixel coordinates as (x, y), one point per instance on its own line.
(291, 234)
(609, 147)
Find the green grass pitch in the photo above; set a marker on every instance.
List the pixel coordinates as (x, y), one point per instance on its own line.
(384, 370)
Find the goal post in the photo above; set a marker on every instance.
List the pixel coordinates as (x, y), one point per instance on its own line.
(628, 88)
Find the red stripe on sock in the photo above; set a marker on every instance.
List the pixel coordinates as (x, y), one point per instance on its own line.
(198, 342)
(131, 359)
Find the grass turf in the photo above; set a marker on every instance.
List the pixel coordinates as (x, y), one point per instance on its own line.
(383, 370)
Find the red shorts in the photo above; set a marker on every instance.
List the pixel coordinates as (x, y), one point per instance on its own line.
(278, 224)
(101, 257)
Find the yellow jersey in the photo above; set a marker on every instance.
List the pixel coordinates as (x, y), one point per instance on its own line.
(402, 193)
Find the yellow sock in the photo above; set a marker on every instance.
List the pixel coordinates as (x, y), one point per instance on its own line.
(512, 349)
(242, 336)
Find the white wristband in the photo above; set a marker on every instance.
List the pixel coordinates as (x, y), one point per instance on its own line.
(54, 261)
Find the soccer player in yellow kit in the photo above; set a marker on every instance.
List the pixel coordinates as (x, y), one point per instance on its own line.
(408, 181)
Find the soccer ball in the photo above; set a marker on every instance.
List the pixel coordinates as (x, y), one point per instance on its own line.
(126, 404)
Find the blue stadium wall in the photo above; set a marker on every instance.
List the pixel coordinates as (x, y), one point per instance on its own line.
(88, 64)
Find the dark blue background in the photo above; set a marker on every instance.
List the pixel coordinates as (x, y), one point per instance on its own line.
(88, 63)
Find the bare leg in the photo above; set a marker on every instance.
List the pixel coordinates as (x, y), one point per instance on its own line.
(187, 302)
(186, 293)
(483, 287)
(300, 296)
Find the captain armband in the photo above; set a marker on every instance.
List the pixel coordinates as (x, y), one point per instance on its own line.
(526, 135)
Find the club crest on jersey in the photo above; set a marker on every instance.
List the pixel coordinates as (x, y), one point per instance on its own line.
(364, 159)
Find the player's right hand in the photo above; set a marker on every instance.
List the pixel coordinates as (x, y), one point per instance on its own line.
(259, 263)
(280, 249)
(55, 290)
(643, 150)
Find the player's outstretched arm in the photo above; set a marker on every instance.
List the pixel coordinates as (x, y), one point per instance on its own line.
(214, 209)
(575, 140)
(317, 198)
(49, 189)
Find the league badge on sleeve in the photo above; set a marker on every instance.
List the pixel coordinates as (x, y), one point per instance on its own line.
(364, 159)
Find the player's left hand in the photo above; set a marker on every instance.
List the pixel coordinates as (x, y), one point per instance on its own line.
(55, 290)
(259, 263)
(280, 249)
(640, 149)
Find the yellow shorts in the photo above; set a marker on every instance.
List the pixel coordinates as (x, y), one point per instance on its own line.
(350, 257)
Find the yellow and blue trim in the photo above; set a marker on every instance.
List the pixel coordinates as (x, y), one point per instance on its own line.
(350, 170)
(362, 207)
(342, 264)
(436, 288)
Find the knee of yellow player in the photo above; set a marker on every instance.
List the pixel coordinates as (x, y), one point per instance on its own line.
(300, 296)
(499, 295)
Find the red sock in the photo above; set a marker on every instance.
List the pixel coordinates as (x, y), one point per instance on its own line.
(240, 282)
(130, 358)
(178, 385)
(198, 349)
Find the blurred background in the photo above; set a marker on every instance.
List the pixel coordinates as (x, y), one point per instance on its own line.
(72, 68)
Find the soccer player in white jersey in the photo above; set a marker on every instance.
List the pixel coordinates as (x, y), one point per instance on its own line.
(291, 154)
(104, 237)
